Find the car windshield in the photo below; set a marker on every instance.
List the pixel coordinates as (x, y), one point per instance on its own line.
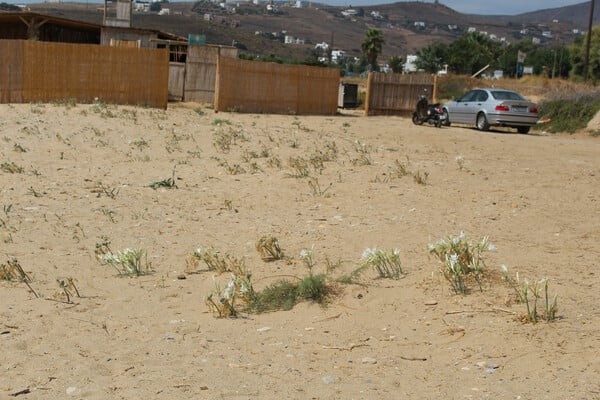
(506, 95)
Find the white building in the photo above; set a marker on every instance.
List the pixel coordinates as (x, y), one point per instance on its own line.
(322, 46)
(410, 64)
(376, 15)
(337, 56)
(349, 12)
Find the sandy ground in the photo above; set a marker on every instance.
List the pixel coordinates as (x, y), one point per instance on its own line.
(85, 178)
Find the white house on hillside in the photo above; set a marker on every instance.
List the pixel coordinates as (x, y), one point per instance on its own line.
(322, 46)
(337, 56)
(410, 64)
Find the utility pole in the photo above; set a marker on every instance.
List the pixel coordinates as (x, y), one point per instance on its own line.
(587, 42)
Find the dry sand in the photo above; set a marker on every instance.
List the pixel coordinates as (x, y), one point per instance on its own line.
(536, 196)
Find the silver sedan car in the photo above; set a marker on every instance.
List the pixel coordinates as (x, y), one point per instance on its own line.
(492, 107)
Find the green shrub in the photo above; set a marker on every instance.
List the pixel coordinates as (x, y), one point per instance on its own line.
(313, 287)
(569, 114)
(280, 295)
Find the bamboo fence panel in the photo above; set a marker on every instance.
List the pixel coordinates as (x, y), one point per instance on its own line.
(397, 94)
(11, 71)
(54, 71)
(260, 87)
(201, 71)
(43, 71)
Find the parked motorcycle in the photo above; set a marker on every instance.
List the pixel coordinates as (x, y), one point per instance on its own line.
(430, 113)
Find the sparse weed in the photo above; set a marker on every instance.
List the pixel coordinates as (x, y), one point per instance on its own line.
(11, 168)
(460, 160)
(140, 144)
(12, 271)
(223, 302)
(331, 266)
(400, 169)
(220, 121)
(529, 294)
(129, 262)
(294, 143)
(102, 248)
(105, 111)
(168, 183)
(37, 108)
(314, 185)
(363, 151)
(215, 262)
(110, 214)
(254, 168)
(34, 192)
(317, 161)
(228, 205)
(331, 151)
(67, 102)
(19, 149)
(250, 155)
(67, 285)
(269, 249)
(129, 114)
(298, 124)
(235, 169)
(224, 139)
(224, 306)
(101, 189)
(385, 262)
(274, 162)
(461, 259)
(299, 167)
(421, 178)
(306, 255)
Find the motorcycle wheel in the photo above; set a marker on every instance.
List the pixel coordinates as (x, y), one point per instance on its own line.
(416, 120)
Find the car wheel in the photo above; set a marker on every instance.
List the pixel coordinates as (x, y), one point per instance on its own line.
(523, 129)
(446, 118)
(482, 123)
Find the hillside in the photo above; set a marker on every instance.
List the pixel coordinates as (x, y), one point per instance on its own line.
(406, 26)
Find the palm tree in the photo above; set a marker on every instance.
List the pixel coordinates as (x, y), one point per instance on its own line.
(372, 46)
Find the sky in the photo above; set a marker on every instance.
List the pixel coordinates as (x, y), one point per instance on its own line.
(485, 7)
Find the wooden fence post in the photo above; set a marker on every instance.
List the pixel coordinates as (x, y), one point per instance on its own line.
(368, 97)
(217, 80)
